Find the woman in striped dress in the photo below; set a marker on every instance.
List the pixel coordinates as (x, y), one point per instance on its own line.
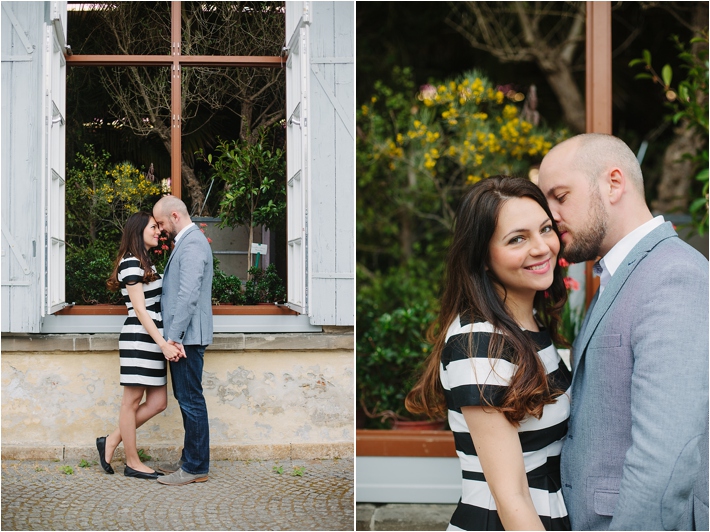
(142, 348)
(494, 366)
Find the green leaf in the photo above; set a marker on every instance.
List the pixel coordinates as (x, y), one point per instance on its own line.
(209, 158)
(647, 56)
(643, 75)
(635, 62)
(697, 204)
(698, 39)
(702, 175)
(678, 116)
(667, 75)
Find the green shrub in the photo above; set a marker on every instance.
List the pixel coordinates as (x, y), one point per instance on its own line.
(390, 356)
(264, 286)
(226, 289)
(87, 271)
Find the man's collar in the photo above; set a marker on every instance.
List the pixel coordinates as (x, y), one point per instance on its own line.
(182, 231)
(607, 266)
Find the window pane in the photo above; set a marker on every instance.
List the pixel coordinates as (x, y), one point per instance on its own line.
(127, 28)
(233, 28)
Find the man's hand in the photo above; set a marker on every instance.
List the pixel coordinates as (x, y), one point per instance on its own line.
(181, 349)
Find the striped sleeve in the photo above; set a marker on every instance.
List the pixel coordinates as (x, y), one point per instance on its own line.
(469, 376)
(130, 271)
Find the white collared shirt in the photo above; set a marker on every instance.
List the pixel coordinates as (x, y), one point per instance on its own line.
(606, 267)
(177, 237)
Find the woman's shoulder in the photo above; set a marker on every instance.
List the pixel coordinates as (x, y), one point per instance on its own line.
(466, 338)
(130, 270)
(463, 325)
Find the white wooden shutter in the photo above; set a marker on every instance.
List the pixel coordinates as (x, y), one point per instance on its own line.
(23, 58)
(297, 154)
(320, 105)
(54, 161)
(331, 228)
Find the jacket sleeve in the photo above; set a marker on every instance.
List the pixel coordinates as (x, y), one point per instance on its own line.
(192, 264)
(669, 399)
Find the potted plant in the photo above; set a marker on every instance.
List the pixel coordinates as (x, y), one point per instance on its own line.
(390, 356)
(255, 186)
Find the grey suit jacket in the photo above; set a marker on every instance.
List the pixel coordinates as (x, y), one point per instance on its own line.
(187, 291)
(632, 458)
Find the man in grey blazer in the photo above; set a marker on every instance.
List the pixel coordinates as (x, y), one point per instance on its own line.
(187, 322)
(635, 456)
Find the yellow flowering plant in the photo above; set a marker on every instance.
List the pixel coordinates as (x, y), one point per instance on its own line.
(101, 196)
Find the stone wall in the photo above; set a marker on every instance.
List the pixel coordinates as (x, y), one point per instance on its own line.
(268, 396)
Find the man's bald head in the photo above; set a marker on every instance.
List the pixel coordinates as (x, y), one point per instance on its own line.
(171, 214)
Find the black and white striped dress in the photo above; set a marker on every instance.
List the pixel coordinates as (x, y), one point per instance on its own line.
(142, 361)
(466, 381)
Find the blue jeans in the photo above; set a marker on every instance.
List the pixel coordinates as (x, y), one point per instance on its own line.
(186, 375)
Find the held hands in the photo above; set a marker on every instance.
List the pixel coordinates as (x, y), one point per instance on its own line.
(173, 351)
(180, 348)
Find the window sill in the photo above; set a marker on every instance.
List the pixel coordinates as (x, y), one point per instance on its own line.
(266, 309)
(429, 443)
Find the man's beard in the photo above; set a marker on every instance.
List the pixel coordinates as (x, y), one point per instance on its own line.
(586, 242)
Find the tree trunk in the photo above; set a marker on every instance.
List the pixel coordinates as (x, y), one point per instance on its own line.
(192, 184)
(677, 173)
(251, 241)
(568, 95)
(194, 188)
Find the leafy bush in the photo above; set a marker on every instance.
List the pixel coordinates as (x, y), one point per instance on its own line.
(87, 271)
(396, 349)
(394, 310)
(264, 286)
(226, 289)
(100, 197)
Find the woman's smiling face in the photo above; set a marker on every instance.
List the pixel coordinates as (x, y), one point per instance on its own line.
(523, 249)
(151, 234)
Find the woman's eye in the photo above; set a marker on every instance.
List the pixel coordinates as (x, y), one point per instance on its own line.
(516, 240)
(546, 229)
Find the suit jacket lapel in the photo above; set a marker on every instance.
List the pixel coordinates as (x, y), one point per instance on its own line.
(601, 304)
(174, 251)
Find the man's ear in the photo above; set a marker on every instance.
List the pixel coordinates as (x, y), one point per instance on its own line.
(615, 185)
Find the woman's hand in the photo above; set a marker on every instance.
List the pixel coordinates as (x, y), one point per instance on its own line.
(171, 352)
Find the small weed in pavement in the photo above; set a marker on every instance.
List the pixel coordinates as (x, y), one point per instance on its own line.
(67, 470)
(84, 463)
(298, 471)
(278, 469)
(143, 456)
(39, 468)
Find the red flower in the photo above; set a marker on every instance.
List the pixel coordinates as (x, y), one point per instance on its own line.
(571, 283)
(209, 240)
(164, 247)
(203, 225)
(158, 252)
(563, 263)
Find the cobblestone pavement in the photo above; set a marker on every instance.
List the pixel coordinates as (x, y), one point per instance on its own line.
(239, 495)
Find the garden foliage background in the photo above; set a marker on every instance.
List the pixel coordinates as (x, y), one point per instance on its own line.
(436, 114)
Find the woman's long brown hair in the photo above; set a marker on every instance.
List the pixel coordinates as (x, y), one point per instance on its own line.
(470, 290)
(132, 243)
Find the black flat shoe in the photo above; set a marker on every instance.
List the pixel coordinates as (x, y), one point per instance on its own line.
(130, 472)
(101, 446)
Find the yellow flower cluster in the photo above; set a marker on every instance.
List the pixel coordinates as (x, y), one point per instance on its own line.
(430, 158)
(465, 126)
(126, 185)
